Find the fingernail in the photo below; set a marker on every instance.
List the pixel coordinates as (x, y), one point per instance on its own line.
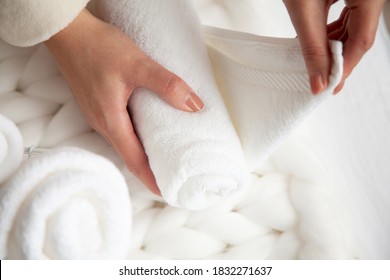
(157, 192)
(317, 84)
(194, 103)
(338, 88)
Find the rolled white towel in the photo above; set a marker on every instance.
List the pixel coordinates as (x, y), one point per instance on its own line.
(196, 157)
(65, 204)
(11, 148)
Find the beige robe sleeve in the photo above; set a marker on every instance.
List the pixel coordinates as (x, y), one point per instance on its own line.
(28, 22)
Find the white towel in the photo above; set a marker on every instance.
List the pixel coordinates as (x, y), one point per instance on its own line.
(11, 148)
(264, 82)
(265, 85)
(196, 157)
(65, 204)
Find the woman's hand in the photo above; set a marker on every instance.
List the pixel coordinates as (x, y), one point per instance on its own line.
(356, 28)
(103, 66)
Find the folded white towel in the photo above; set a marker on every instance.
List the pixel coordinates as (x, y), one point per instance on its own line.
(265, 85)
(65, 204)
(196, 157)
(11, 148)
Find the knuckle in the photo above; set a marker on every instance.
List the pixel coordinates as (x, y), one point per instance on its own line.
(366, 42)
(314, 52)
(170, 85)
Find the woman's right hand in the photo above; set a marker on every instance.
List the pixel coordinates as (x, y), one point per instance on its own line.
(356, 29)
(103, 66)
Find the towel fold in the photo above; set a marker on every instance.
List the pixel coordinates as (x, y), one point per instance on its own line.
(196, 157)
(65, 204)
(266, 87)
(11, 148)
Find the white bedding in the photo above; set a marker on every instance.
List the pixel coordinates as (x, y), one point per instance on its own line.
(323, 194)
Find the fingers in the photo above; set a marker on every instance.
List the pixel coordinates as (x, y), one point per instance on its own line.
(171, 88)
(119, 130)
(362, 26)
(356, 28)
(337, 29)
(142, 71)
(309, 19)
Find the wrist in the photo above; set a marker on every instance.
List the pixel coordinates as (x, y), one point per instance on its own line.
(72, 36)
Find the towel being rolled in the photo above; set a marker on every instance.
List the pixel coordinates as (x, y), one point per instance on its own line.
(266, 87)
(65, 204)
(11, 148)
(196, 157)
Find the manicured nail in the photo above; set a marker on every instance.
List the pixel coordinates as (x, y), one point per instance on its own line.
(317, 84)
(194, 103)
(338, 88)
(157, 192)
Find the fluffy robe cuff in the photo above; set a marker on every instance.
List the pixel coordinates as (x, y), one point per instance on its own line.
(25, 23)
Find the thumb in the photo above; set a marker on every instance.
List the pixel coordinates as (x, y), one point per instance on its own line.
(170, 87)
(309, 19)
